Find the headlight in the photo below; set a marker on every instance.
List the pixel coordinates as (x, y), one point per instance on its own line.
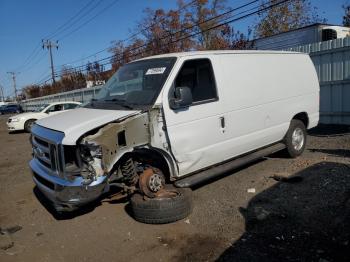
(14, 119)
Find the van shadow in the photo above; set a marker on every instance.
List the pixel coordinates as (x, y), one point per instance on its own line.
(329, 130)
(17, 132)
(232, 172)
(333, 152)
(82, 210)
(64, 215)
(305, 221)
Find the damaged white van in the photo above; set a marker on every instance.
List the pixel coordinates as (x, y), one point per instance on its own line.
(165, 123)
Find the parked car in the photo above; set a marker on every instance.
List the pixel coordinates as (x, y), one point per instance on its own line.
(10, 109)
(25, 121)
(166, 123)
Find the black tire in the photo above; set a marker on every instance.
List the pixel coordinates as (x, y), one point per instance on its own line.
(162, 210)
(28, 125)
(292, 150)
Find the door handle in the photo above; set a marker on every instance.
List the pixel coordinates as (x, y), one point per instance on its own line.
(222, 122)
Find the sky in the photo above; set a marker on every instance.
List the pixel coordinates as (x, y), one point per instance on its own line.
(24, 23)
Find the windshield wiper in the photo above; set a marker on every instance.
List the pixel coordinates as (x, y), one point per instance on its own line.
(121, 104)
(126, 106)
(114, 100)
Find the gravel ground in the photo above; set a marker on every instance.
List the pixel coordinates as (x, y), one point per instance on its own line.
(303, 217)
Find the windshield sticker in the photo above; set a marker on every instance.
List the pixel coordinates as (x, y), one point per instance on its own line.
(155, 71)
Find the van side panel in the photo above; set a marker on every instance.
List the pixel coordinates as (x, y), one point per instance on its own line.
(261, 94)
(258, 96)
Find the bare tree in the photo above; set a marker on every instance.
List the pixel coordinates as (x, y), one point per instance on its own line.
(346, 17)
(284, 17)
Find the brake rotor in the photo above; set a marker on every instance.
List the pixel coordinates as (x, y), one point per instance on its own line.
(151, 182)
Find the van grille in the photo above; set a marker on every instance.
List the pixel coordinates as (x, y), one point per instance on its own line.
(44, 181)
(46, 153)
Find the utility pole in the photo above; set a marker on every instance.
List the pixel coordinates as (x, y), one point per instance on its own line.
(2, 93)
(49, 45)
(13, 75)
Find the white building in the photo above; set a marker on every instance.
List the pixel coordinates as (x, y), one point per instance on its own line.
(301, 36)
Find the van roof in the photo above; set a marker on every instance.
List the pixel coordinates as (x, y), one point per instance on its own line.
(219, 52)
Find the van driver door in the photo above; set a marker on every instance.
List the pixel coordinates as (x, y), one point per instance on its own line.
(195, 132)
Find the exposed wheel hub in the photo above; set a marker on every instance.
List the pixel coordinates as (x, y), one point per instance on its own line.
(155, 182)
(151, 181)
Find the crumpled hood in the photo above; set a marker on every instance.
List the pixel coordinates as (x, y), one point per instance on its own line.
(75, 123)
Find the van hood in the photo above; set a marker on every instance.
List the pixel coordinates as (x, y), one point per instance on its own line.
(75, 123)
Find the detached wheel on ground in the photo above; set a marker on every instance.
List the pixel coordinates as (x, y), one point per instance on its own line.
(28, 125)
(295, 138)
(169, 206)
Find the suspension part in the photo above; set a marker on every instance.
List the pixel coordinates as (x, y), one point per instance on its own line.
(129, 172)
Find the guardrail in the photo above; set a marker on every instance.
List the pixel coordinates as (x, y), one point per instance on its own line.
(82, 95)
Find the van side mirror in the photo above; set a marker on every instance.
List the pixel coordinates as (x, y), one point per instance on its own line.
(183, 98)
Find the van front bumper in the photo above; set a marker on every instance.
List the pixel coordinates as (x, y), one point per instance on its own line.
(66, 195)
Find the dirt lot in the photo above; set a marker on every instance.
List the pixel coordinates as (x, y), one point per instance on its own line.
(306, 218)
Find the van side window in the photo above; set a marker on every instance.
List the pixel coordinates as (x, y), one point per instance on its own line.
(198, 76)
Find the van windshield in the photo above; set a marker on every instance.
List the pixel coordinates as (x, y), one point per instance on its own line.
(135, 85)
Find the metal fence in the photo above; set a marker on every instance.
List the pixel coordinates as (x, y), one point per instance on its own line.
(332, 63)
(80, 95)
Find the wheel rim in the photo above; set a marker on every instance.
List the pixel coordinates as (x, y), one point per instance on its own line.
(298, 139)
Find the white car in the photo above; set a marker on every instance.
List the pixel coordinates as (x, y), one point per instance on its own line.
(25, 121)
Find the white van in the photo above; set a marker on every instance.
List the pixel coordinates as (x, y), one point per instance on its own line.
(177, 119)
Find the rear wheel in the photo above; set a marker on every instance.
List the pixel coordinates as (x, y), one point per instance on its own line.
(28, 125)
(295, 138)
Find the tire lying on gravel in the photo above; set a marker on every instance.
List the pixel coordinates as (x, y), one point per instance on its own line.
(162, 210)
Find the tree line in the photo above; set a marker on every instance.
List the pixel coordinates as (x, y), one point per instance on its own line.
(195, 25)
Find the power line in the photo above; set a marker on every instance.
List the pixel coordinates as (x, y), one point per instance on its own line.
(73, 20)
(46, 72)
(196, 33)
(77, 15)
(44, 80)
(30, 58)
(89, 20)
(34, 63)
(184, 30)
(126, 39)
(62, 28)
